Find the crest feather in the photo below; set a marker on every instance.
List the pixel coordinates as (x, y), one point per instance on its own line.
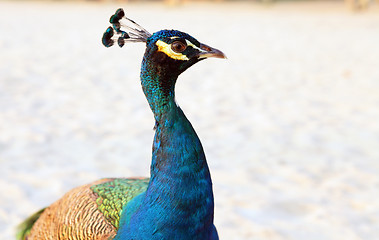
(123, 30)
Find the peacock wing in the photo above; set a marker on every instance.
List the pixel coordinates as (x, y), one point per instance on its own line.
(91, 211)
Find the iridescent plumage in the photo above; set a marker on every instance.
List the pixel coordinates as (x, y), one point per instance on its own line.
(113, 195)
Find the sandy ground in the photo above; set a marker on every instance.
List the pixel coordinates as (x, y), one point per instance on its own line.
(289, 122)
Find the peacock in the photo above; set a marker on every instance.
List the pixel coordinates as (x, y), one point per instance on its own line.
(176, 202)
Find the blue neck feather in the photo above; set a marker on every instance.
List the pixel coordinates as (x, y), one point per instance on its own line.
(178, 203)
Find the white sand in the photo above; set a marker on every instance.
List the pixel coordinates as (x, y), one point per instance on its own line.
(290, 122)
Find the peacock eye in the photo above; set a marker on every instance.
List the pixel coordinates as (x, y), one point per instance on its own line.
(178, 46)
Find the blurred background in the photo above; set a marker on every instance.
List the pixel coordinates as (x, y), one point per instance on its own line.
(289, 122)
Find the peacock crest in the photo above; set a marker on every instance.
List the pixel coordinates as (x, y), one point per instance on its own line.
(123, 30)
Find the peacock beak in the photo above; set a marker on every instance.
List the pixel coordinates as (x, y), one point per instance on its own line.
(207, 52)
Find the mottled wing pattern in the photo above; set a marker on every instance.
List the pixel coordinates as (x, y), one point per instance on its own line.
(87, 212)
(112, 196)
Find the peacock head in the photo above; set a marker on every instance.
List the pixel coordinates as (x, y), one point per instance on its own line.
(175, 51)
(169, 51)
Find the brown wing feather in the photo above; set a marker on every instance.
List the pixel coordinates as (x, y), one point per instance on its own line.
(73, 217)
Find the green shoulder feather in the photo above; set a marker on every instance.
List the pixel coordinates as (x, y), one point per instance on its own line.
(112, 196)
(24, 228)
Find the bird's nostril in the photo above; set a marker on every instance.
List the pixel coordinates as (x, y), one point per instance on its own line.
(206, 48)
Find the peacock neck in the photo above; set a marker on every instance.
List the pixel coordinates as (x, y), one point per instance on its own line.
(180, 187)
(158, 86)
(177, 150)
(176, 147)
